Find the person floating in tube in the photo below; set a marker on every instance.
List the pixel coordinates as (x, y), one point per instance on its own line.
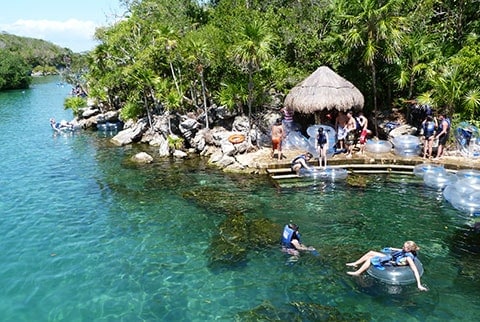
(400, 257)
(291, 243)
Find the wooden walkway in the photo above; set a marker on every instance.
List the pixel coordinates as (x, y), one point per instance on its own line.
(287, 173)
(354, 168)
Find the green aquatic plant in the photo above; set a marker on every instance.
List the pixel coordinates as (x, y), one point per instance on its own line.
(236, 235)
(299, 311)
(355, 180)
(219, 200)
(229, 245)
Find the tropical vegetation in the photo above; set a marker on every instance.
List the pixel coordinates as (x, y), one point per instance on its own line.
(188, 55)
(21, 57)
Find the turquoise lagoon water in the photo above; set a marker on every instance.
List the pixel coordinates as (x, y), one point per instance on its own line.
(87, 236)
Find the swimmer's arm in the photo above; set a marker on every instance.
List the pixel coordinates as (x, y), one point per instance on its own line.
(417, 275)
(299, 246)
(394, 249)
(305, 164)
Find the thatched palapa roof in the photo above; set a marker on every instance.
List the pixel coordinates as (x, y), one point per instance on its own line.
(324, 89)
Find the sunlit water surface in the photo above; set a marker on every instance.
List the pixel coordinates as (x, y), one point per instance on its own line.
(87, 236)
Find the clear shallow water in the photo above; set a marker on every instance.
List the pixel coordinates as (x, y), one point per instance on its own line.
(87, 236)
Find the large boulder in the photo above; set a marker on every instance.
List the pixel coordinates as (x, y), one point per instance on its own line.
(240, 124)
(142, 157)
(131, 134)
(161, 124)
(89, 112)
(164, 149)
(188, 127)
(199, 142)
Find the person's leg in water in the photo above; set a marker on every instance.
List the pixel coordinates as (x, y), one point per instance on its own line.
(365, 261)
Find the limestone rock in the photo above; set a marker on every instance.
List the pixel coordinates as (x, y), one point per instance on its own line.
(179, 154)
(142, 157)
(129, 135)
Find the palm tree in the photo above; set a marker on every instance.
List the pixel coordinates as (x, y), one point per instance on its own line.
(198, 54)
(420, 52)
(254, 46)
(448, 88)
(375, 31)
(169, 41)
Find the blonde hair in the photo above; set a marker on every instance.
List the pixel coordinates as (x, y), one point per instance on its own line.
(412, 246)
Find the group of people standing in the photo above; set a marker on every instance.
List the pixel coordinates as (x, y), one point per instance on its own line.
(349, 129)
(352, 130)
(435, 129)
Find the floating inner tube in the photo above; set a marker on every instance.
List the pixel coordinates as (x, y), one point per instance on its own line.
(464, 195)
(421, 169)
(396, 275)
(467, 137)
(296, 140)
(468, 173)
(406, 145)
(328, 174)
(236, 138)
(439, 180)
(109, 126)
(378, 146)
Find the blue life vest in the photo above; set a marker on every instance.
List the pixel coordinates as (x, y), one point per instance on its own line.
(287, 236)
(400, 257)
(449, 124)
(298, 158)
(395, 258)
(321, 139)
(428, 129)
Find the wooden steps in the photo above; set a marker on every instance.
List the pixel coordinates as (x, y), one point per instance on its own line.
(287, 173)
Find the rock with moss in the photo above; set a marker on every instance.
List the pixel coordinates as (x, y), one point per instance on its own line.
(263, 233)
(230, 244)
(218, 200)
(237, 235)
(299, 311)
(356, 180)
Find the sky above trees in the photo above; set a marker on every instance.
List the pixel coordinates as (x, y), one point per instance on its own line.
(68, 24)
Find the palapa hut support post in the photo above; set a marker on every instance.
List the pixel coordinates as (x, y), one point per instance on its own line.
(323, 89)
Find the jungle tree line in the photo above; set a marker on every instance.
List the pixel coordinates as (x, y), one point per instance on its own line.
(22, 56)
(186, 55)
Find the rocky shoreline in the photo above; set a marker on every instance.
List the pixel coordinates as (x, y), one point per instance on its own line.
(183, 136)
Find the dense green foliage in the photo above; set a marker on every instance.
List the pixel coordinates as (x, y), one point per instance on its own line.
(14, 71)
(21, 56)
(35, 52)
(74, 103)
(187, 55)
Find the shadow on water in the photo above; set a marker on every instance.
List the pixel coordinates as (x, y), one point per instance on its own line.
(465, 245)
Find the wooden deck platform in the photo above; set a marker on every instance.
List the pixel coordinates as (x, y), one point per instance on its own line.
(354, 168)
